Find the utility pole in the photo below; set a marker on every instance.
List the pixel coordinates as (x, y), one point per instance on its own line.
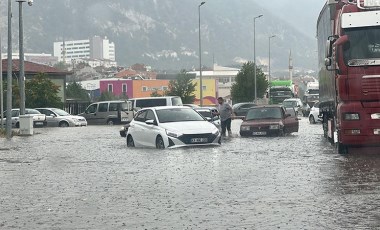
(1, 80)
(254, 53)
(21, 59)
(200, 56)
(9, 74)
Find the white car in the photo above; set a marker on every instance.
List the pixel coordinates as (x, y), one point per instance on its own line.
(314, 114)
(60, 118)
(171, 127)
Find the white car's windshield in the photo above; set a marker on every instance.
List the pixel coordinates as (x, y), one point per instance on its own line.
(60, 112)
(178, 115)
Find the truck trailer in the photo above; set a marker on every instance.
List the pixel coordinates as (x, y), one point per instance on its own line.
(348, 34)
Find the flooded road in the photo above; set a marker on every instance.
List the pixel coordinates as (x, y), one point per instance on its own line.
(86, 178)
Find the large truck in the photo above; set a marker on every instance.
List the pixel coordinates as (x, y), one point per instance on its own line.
(279, 91)
(349, 72)
(311, 96)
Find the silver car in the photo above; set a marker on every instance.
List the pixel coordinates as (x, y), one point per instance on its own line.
(60, 118)
(39, 120)
(209, 114)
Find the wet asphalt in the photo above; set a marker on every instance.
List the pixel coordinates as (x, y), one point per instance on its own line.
(86, 178)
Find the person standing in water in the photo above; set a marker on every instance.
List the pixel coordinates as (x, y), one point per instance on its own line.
(225, 113)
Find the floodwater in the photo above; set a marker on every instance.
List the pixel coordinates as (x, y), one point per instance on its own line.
(86, 178)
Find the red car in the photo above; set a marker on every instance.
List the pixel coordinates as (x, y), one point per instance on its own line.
(270, 120)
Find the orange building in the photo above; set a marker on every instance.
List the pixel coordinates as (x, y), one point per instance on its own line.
(145, 88)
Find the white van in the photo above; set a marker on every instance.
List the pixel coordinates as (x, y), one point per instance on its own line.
(146, 102)
(108, 112)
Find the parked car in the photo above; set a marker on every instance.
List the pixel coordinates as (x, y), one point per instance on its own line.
(59, 118)
(192, 106)
(123, 130)
(241, 109)
(314, 114)
(268, 120)
(209, 114)
(108, 112)
(39, 120)
(297, 104)
(146, 102)
(170, 127)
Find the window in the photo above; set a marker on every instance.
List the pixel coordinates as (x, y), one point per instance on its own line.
(144, 88)
(141, 116)
(103, 107)
(113, 107)
(92, 108)
(204, 88)
(124, 89)
(145, 103)
(110, 88)
(150, 115)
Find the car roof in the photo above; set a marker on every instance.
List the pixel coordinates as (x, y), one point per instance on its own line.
(292, 99)
(168, 107)
(267, 106)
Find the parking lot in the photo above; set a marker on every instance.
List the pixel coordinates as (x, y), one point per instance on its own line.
(86, 178)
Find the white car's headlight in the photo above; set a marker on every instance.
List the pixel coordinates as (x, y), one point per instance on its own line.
(274, 127)
(173, 134)
(245, 128)
(75, 120)
(215, 132)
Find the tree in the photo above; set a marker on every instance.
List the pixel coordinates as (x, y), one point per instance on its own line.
(244, 88)
(183, 87)
(61, 66)
(155, 94)
(40, 91)
(107, 96)
(75, 91)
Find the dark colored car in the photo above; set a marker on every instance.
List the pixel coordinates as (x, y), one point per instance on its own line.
(124, 130)
(241, 109)
(268, 121)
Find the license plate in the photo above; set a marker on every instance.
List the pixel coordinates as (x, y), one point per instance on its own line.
(39, 123)
(259, 133)
(199, 140)
(124, 119)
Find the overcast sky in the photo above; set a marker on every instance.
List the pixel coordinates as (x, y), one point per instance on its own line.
(302, 14)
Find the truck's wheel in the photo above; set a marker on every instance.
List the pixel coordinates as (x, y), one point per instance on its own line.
(342, 149)
(110, 122)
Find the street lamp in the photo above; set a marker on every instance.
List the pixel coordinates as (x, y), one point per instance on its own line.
(21, 54)
(269, 76)
(254, 52)
(200, 55)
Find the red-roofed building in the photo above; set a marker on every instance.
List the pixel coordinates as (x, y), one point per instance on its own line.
(58, 77)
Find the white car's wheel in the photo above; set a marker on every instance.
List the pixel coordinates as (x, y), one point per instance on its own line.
(160, 144)
(130, 141)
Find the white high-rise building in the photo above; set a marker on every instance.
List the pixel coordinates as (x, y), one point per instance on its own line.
(95, 48)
